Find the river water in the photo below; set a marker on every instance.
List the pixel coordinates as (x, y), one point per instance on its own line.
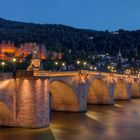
(101, 122)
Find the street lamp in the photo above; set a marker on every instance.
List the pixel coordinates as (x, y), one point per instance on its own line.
(56, 63)
(63, 64)
(78, 62)
(109, 67)
(14, 67)
(95, 68)
(85, 63)
(3, 64)
(91, 67)
(14, 60)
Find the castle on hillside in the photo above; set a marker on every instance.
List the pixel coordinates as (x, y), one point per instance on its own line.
(8, 50)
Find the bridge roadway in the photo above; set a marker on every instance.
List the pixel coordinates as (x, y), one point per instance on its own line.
(26, 100)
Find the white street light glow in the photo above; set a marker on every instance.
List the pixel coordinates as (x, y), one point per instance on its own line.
(2, 63)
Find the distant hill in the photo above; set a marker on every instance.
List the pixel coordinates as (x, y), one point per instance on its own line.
(72, 41)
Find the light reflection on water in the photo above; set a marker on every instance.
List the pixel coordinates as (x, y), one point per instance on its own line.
(118, 122)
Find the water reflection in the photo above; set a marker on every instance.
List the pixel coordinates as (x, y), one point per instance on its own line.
(118, 122)
(26, 134)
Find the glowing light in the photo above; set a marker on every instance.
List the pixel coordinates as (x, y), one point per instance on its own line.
(85, 63)
(56, 63)
(91, 67)
(108, 67)
(95, 68)
(78, 62)
(14, 60)
(2, 63)
(63, 64)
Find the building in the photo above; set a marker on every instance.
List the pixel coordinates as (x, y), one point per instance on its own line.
(8, 50)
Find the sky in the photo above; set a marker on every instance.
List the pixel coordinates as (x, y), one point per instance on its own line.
(89, 14)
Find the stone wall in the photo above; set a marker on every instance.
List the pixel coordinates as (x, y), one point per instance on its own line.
(24, 102)
(32, 107)
(7, 101)
(122, 90)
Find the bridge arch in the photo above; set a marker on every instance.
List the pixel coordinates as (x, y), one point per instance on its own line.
(122, 90)
(98, 92)
(135, 90)
(63, 98)
(5, 114)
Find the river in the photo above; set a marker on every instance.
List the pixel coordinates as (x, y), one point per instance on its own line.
(120, 121)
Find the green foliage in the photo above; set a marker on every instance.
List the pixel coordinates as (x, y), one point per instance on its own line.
(82, 43)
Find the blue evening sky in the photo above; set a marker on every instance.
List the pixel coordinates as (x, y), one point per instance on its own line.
(90, 14)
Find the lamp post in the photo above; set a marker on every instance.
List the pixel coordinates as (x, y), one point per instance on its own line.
(78, 64)
(56, 65)
(85, 64)
(109, 68)
(64, 66)
(95, 68)
(3, 64)
(14, 67)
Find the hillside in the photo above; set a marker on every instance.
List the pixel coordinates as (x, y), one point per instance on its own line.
(82, 43)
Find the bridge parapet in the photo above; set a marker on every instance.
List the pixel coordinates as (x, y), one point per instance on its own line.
(23, 73)
(54, 74)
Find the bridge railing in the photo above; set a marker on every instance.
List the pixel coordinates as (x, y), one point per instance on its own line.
(111, 74)
(49, 74)
(68, 73)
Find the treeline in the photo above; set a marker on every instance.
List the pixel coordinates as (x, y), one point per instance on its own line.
(74, 43)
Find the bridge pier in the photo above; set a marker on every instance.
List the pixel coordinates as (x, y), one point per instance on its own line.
(135, 89)
(82, 93)
(32, 106)
(7, 101)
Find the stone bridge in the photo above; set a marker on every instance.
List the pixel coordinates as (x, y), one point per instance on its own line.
(26, 100)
